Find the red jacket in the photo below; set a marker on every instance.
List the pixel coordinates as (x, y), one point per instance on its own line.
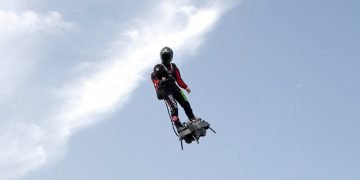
(161, 71)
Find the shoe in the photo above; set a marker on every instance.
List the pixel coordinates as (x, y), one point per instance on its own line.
(193, 119)
(178, 125)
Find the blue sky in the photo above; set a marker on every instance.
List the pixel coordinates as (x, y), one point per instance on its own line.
(277, 79)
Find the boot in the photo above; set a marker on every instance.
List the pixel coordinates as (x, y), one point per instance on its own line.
(193, 119)
(178, 125)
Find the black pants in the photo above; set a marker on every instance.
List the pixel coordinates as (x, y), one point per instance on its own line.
(173, 95)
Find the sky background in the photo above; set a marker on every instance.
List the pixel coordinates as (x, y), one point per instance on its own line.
(278, 80)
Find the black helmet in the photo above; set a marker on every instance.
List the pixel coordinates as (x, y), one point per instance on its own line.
(166, 55)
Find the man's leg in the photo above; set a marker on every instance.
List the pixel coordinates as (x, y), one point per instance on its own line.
(183, 101)
(171, 102)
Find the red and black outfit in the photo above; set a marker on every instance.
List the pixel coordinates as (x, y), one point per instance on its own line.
(166, 80)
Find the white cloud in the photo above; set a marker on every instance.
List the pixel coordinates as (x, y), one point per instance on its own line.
(30, 22)
(21, 141)
(182, 25)
(20, 35)
(20, 149)
(111, 86)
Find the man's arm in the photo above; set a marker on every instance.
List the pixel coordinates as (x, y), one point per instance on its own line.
(179, 80)
(155, 80)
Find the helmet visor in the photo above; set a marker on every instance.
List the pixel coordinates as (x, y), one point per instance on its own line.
(166, 57)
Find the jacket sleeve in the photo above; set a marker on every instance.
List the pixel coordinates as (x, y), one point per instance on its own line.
(156, 83)
(155, 80)
(178, 78)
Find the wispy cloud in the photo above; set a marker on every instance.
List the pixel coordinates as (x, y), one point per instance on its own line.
(20, 37)
(97, 93)
(30, 22)
(181, 25)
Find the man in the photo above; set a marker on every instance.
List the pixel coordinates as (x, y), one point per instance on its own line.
(167, 79)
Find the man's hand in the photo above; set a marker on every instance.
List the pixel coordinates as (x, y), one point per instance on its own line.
(188, 90)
